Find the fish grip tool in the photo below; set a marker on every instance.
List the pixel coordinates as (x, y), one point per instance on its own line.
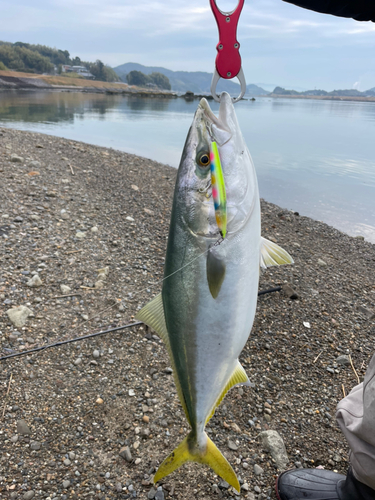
(228, 60)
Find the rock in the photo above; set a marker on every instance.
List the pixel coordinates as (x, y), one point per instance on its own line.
(35, 445)
(23, 428)
(343, 360)
(258, 470)
(67, 462)
(159, 495)
(99, 401)
(125, 453)
(14, 438)
(245, 487)
(129, 218)
(148, 211)
(290, 292)
(78, 361)
(322, 263)
(15, 158)
(257, 489)
(94, 229)
(118, 487)
(34, 164)
(232, 445)
(134, 187)
(66, 484)
(80, 235)
(65, 289)
(34, 282)
(72, 455)
(151, 494)
(274, 443)
(28, 495)
(131, 392)
(96, 353)
(65, 216)
(18, 219)
(368, 313)
(19, 315)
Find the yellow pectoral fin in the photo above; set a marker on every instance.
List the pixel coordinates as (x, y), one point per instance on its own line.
(273, 255)
(238, 377)
(212, 457)
(152, 314)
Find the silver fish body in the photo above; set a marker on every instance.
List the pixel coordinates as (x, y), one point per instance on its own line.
(209, 296)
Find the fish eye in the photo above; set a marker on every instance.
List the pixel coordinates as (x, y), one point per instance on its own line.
(203, 159)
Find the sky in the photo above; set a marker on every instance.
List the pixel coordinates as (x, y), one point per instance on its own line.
(281, 44)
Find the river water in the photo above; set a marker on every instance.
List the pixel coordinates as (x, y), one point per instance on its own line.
(311, 156)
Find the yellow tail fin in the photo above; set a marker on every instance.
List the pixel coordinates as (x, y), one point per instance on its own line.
(212, 457)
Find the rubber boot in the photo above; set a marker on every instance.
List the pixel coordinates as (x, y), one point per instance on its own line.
(320, 484)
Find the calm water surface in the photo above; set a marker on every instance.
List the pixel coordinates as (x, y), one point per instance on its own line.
(315, 157)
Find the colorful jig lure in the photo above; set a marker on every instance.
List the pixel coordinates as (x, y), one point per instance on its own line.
(218, 190)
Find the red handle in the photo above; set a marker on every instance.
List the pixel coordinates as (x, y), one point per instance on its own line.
(228, 59)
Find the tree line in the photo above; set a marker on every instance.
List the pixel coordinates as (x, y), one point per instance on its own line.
(141, 80)
(32, 58)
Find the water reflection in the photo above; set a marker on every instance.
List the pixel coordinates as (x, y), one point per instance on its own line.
(316, 157)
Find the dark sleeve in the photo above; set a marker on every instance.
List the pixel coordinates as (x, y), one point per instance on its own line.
(360, 10)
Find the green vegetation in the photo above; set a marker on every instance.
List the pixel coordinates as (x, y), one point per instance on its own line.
(140, 79)
(31, 58)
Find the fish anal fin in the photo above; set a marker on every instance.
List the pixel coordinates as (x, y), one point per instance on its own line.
(273, 255)
(215, 273)
(186, 451)
(152, 314)
(238, 377)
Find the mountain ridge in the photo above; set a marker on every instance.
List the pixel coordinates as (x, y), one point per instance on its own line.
(195, 81)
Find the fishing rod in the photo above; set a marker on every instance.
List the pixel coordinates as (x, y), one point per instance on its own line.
(96, 334)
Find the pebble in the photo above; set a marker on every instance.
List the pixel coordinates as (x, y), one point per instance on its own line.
(78, 361)
(28, 495)
(131, 392)
(15, 158)
(125, 453)
(18, 219)
(289, 291)
(96, 353)
(34, 164)
(134, 187)
(274, 443)
(94, 229)
(80, 235)
(258, 470)
(343, 360)
(35, 445)
(322, 263)
(99, 401)
(14, 438)
(65, 289)
(18, 315)
(23, 428)
(67, 461)
(34, 282)
(71, 454)
(151, 494)
(232, 445)
(257, 489)
(66, 484)
(159, 495)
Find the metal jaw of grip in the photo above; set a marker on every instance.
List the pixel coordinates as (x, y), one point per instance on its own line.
(228, 59)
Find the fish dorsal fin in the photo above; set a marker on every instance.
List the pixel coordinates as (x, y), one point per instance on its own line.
(273, 255)
(152, 314)
(238, 377)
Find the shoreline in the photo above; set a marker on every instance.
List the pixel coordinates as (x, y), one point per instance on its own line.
(96, 220)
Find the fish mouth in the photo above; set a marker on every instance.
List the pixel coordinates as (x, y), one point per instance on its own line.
(217, 127)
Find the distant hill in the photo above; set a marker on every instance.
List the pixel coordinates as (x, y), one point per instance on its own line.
(196, 81)
(315, 92)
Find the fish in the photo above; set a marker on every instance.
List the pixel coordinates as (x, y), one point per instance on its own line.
(205, 311)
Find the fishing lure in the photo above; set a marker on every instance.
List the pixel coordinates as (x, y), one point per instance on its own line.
(218, 189)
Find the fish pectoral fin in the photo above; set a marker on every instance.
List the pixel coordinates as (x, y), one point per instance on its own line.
(211, 457)
(215, 273)
(152, 314)
(238, 377)
(273, 255)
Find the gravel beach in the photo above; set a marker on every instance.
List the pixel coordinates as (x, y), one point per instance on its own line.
(83, 233)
